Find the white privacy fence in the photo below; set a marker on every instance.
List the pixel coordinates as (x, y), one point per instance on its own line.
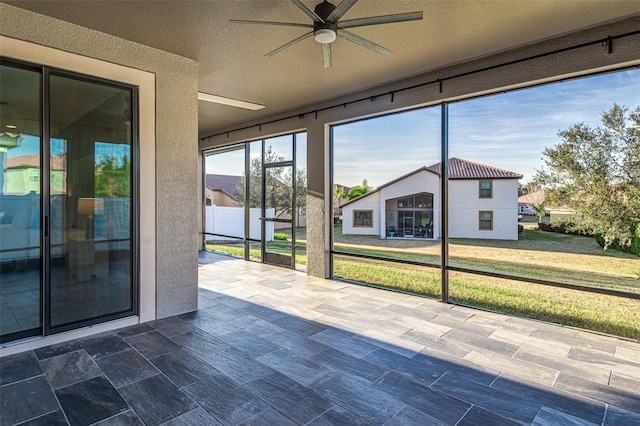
(230, 221)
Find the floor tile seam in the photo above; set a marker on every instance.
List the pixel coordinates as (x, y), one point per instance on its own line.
(118, 414)
(588, 398)
(460, 398)
(248, 389)
(465, 413)
(39, 416)
(25, 379)
(532, 364)
(134, 410)
(604, 415)
(321, 414)
(55, 395)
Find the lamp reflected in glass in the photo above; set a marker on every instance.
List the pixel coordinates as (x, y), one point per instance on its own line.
(90, 207)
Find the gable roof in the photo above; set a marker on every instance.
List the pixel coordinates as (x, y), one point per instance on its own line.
(224, 183)
(458, 170)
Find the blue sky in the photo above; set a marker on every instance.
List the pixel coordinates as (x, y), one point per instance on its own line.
(232, 162)
(508, 131)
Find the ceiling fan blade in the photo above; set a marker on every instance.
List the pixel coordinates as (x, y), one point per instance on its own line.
(339, 11)
(378, 20)
(353, 38)
(285, 24)
(326, 53)
(291, 43)
(310, 13)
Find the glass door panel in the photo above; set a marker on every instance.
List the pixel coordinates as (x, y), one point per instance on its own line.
(255, 199)
(90, 202)
(224, 200)
(278, 237)
(20, 203)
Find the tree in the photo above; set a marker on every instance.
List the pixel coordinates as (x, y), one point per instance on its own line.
(338, 195)
(539, 207)
(359, 190)
(596, 171)
(529, 187)
(278, 186)
(113, 177)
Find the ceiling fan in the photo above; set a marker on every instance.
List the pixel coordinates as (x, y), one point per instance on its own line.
(327, 26)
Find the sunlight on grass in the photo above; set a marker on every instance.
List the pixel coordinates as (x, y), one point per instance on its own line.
(606, 314)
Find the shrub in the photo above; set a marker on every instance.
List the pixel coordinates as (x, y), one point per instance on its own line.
(280, 236)
(633, 248)
(568, 225)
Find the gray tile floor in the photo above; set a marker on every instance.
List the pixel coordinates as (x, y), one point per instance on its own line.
(270, 346)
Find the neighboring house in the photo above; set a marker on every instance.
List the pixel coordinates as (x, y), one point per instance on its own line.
(482, 204)
(22, 174)
(551, 212)
(220, 190)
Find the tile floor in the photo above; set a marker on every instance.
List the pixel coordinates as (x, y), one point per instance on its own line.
(271, 346)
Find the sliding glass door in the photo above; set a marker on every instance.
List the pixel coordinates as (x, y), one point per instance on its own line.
(20, 200)
(67, 258)
(89, 200)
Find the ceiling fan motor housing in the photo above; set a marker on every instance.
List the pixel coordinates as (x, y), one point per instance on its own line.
(324, 32)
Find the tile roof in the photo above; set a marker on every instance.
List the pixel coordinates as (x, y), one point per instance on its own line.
(58, 162)
(464, 169)
(224, 183)
(458, 169)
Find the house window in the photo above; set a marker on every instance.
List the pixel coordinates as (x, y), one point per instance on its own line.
(363, 218)
(486, 187)
(486, 221)
(34, 176)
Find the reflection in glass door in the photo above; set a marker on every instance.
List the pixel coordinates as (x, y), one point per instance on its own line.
(90, 217)
(66, 230)
(20, 199)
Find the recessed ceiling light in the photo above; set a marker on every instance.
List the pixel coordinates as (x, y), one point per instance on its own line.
(228, 101)
(11, 126)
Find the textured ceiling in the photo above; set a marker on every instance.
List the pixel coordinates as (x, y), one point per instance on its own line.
(231, 56)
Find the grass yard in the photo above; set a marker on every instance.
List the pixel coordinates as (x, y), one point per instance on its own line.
(556, 257)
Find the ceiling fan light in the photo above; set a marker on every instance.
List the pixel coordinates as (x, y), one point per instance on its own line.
(324, 35)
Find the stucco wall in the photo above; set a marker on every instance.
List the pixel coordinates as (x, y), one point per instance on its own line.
(465, 205)
(371, 202)
(177, 217)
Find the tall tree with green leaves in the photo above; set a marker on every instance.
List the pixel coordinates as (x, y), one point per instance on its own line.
(338, 195)
(359, 190)
(278, 186)
(113, 177)
(596, 172)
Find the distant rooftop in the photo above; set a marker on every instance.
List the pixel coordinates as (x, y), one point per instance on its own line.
(224, 183)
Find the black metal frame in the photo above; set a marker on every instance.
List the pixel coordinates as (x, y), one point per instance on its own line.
(246, 239)
(275, 258)
(134, 220)
(45, 328)
(444, 265)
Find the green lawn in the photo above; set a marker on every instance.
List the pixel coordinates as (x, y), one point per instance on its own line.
(556, 257)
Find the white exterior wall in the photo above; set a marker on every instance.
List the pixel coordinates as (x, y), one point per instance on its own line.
(230, 221)
(423, 181)
(371, 202)
(465, 205)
